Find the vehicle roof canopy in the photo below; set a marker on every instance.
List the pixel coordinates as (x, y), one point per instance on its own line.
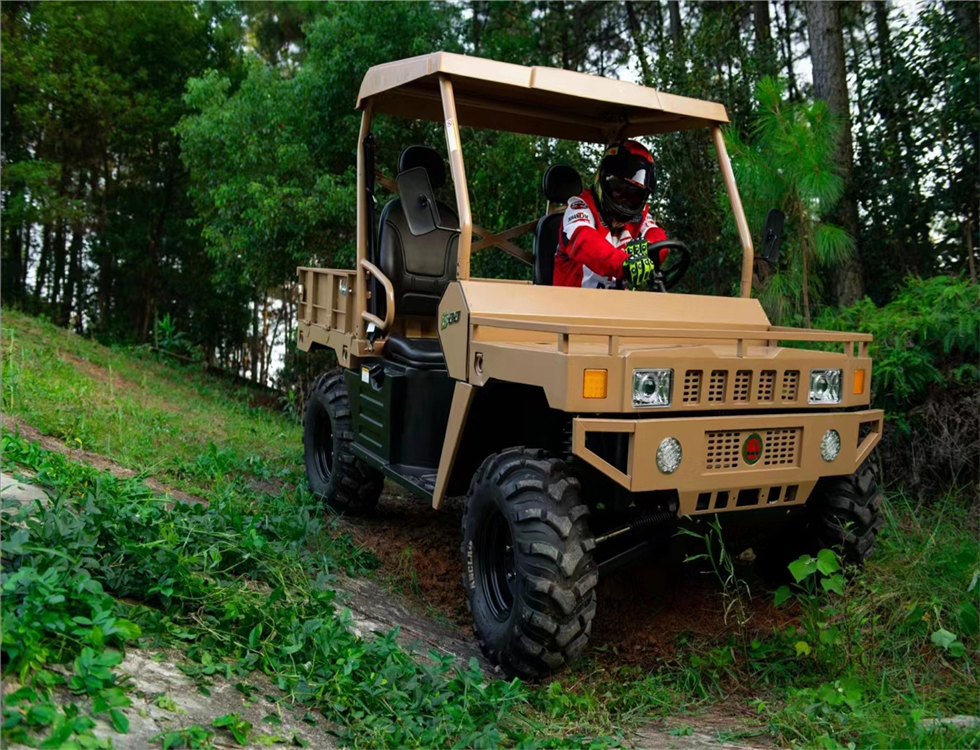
(532, 100)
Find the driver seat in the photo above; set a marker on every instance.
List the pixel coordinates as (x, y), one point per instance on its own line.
(560, 183)
(419, 267)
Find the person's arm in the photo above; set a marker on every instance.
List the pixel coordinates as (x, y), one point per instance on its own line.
(653, 233)
(587, 244)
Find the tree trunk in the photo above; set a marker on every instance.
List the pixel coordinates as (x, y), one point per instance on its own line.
(68, 299)
(254, 353)
(42, 265)
(786, 40)
(830, 84)
(971, 263)
(11, 265)
(636, 33)
(105, 261)
(674, 7)
(764, 48)
(60, 241)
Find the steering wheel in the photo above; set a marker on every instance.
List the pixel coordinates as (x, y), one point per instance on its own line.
(667, 278)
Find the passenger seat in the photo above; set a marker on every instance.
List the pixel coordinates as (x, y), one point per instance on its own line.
(560, 183)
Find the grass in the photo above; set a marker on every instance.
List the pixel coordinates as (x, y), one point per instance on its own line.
(245, 583)
(175, 423)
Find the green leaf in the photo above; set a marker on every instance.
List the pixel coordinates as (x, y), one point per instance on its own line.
(119, 720)
(943, 638)
(255, 637)
(782, 594)
(968, 618)
(834, 583)
(802, 648)
(802, 568)
(827, 562)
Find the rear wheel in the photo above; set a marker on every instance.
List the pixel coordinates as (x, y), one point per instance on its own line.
(336, 475)
(527, 563)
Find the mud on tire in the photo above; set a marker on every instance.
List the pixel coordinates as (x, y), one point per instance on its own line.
(845, 514)
(527, 563)
(336, 476)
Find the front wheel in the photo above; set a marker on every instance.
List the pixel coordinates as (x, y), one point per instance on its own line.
(845, 514)
(842, 514)
(527, 563)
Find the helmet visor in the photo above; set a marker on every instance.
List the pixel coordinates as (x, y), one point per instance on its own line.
(627, 193)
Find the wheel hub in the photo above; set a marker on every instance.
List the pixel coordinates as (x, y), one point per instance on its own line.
(323, 445)
(497, 570)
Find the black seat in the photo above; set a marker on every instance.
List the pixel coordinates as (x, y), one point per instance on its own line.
(426, 354)
(560, 183)
(419, 267)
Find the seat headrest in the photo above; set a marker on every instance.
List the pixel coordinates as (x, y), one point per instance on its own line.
(428, 159)
(560, 183)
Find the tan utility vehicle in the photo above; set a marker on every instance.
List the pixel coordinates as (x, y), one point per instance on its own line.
(582, 424)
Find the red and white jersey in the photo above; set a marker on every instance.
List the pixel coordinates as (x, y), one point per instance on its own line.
(589, 252)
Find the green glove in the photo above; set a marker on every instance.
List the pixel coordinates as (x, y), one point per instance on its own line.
(638, 246)
(637, 269)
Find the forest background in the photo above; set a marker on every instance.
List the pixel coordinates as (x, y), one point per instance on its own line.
(166, 166)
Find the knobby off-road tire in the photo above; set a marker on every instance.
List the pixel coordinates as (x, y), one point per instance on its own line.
(336, 476)
(845, 514)
(527, 563)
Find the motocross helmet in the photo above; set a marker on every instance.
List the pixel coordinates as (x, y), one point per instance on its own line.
(624, 181)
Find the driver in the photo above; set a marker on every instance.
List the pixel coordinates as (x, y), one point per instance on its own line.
(607, 229)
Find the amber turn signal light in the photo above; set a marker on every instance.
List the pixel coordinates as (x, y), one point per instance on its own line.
(858, 382)
(594, 384)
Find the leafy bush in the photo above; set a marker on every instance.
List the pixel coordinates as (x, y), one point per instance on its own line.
(926, 347)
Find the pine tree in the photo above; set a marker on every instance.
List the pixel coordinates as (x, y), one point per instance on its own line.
(789, 164)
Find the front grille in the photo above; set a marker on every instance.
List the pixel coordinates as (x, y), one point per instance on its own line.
(781, 447)
(791, 385)
(717, 385)
(743, 380)
(692, 387)
(767, 382)
(723, 450)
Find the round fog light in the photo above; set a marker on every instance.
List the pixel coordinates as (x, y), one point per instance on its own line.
(830, 445)
(669, 455)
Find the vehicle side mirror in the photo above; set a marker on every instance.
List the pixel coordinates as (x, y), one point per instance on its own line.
(418, 203)
(772, 236)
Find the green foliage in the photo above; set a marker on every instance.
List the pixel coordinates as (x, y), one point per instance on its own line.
(193, 562)
(927, 337)
(925, 350)
(246, 583)
(195, 432)
(97, 199)
(789, 164)
(273, 159)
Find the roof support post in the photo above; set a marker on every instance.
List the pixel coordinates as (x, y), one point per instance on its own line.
(744, 235)
(455, 152)
(360, 298)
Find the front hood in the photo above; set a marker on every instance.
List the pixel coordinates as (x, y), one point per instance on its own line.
(610, 307)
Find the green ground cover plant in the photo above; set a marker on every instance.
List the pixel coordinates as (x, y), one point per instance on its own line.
(246, 582)
(176, 423)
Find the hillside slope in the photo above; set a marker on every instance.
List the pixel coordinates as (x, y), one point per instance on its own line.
(243, 576)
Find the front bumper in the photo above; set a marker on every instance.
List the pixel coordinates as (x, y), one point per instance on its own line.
(715, 474)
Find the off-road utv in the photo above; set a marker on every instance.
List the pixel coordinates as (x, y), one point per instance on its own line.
(581, 424)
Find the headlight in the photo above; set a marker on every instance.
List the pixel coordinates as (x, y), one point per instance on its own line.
(825, 386)
(652, 387)
(830, 445)
(669, 455)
